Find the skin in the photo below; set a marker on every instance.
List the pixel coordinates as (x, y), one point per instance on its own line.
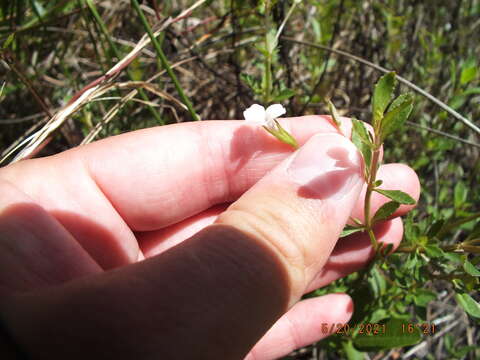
(184, 241)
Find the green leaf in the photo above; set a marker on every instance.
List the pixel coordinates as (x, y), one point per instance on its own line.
(335, 116)
(397, 114)
(348, 230)
(454, 258)
(382, 96)
(396, 335)
(281, 134)
(385, 211)
(433, 251)
(460, 194)
(435, 228)
(377, 282)
(284, 95)
(469, 72)
(378, 315)
(469, 304)
(422, 297)
(271, 41)
(362, 131)
(364, 149)
(9, 40)
(397, 195)
(351, 352)
(470, 268)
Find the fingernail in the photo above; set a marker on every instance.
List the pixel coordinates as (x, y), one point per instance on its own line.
(327, 166)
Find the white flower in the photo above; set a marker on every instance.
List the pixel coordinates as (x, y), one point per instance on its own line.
(257, 115)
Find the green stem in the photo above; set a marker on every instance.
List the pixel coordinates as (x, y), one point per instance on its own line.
(268, 79)
(114, 48)
(368, 196)
(164, 61)
(268, 58)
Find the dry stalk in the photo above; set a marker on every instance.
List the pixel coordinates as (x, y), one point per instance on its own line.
(88, 92)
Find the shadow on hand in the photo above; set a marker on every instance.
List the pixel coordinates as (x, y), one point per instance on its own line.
(331, 183)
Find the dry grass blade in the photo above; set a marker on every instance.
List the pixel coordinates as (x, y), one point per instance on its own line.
(130, 96)
(85, 95)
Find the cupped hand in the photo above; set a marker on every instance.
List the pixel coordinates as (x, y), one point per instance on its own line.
(66, 219)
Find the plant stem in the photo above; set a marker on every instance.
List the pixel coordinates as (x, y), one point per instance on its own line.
(104, 29)
(368, 196)
(268, 57)
(268, 79)
(164, 61)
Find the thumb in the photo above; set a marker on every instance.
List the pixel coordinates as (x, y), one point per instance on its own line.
(302, 205)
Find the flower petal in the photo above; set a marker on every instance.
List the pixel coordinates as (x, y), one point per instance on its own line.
(274, 111)
(255, 114)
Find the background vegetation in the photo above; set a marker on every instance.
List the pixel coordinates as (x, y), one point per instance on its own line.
(221, 61)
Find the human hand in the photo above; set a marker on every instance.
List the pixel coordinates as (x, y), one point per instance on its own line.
(112, 203)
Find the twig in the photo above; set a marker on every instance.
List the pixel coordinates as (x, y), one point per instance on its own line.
(422, 92)
(83, 95)
(438, 132)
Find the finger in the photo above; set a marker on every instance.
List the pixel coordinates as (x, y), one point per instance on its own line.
(152, 178)
(394, 176)
(159, 176)
(307, 322)
(63, 187)
(158, 241)
(35, 249)
(355, 251)
(300, 207)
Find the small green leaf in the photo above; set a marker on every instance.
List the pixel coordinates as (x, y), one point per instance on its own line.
(433, 251)
(469, 304)
(9, 40)
(362, 131)
(281, 134)
(364, 149)
(460, 194)
(397, 195)
(284, 95)
(469, 72)
(348, 230)
(470, 268)
(382, 96)
(422, 297)
(454, 258)
(351, 352)
(377, 282)
(435, 228)
(385, 211)
(271, 41)
(335, 116)
(378, 315)
(396, 335)
(397, 114)
(377, 183)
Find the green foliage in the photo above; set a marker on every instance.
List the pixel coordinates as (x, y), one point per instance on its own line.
(382, 96)
(397, 195)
